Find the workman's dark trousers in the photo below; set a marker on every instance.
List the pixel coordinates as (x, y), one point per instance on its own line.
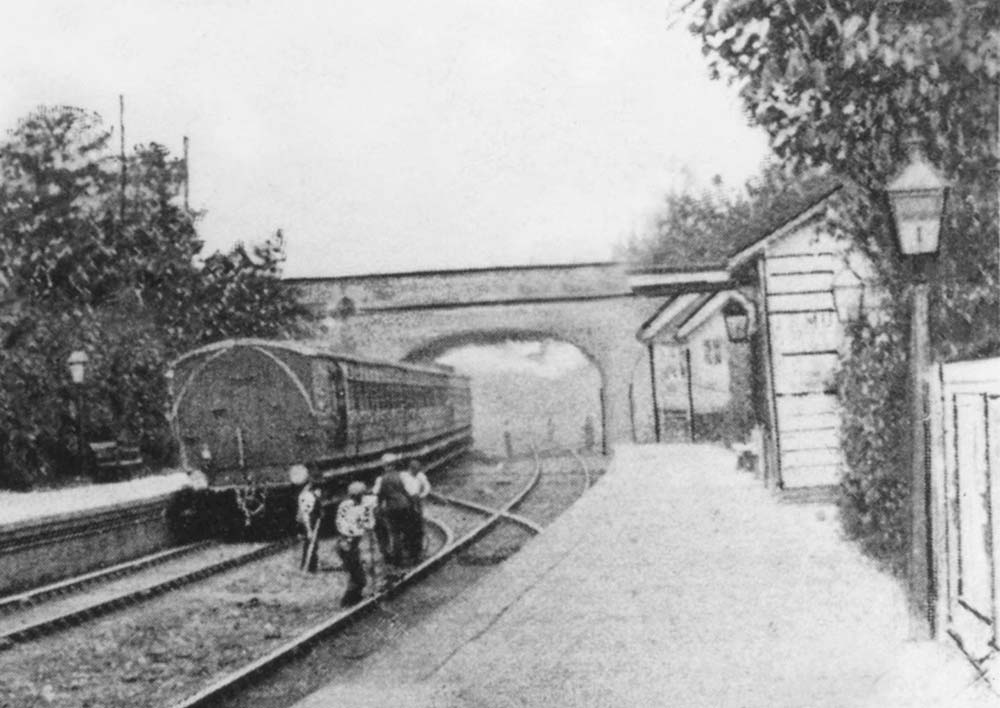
(415, 533)
(392, 533)
(349, 550)
(313, 564)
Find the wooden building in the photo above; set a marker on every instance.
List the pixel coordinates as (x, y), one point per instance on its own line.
(695, 370)
(785, 266)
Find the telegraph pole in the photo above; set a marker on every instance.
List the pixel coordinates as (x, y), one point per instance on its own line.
(121, 132)
(187, 173)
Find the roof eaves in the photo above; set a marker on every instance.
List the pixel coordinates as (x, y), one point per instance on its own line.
(808, 212)
(673, 315)
(690, 313)
(672, 278)
(670, 309)
(709, 308)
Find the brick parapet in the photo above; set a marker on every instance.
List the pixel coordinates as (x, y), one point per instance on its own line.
(51, 548)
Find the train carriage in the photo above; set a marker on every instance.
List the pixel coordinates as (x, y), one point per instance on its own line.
(244, 411)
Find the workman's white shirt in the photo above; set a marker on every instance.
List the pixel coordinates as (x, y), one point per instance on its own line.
(369, 502)
(351, 519)
(307, 502)
(410, 484)
(423, 485)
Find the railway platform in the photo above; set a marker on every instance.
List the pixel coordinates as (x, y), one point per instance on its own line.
(676, 581)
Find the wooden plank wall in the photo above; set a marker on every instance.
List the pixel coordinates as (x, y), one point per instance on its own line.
(805, 338)
(964, 461)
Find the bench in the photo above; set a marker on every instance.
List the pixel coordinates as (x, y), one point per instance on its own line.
(113, 461)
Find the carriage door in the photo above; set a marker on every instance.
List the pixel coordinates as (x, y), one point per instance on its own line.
(331, 401)
(972, 498)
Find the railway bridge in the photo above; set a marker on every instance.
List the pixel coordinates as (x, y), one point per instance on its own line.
(598, 307)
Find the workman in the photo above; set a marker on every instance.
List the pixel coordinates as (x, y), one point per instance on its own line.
(307, 516)
(351, 529)
(419, 487)
(394, 489)
(370, 559)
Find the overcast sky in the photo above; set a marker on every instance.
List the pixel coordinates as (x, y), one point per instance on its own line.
(388, 136)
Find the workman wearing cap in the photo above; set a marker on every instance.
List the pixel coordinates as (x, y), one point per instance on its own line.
(395, 510)
(351, 529)
(307, 516)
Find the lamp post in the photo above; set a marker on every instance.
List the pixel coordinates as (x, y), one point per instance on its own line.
(917, 196)
(77, 363)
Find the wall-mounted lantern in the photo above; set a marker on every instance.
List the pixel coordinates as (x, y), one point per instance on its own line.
(737, 321)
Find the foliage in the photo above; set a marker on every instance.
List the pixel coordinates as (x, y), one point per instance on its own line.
(843, 84)
(875, 484)
(699, 227)
(688, 222)
(87, 265)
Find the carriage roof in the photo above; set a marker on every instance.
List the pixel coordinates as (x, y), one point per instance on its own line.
(314, 349)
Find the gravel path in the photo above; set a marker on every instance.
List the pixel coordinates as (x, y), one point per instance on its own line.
(677, 581)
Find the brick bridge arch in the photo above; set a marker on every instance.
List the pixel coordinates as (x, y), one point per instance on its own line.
(433, 348)
(414, 315)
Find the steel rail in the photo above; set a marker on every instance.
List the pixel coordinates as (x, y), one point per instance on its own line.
(286, 652)
(588, 478)
(584, 467)
(473, 506)
(79, 616)
(504, 512)
(18, 601)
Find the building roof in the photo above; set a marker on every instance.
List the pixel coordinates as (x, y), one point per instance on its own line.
(682, 315)
(669, 317)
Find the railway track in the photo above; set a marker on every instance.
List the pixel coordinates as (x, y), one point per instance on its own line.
(21, 600)
(456, 567)
(472, 535)
(227, 685)
(37, 613)
(44, 610)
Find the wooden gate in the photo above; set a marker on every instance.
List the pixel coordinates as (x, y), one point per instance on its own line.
(965, 495)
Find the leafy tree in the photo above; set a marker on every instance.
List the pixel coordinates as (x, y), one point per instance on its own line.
(240, 294)
(120, 274)
(688, 222)
(843, 84)
(695, 228)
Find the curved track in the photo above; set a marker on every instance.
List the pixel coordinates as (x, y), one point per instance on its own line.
(42, 611)
(232, 682)
(481, 535)
(587, 475)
